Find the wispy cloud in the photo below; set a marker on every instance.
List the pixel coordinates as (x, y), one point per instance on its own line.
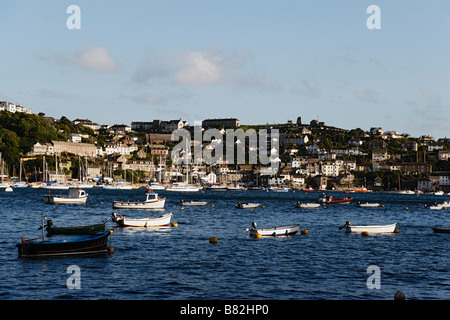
(307, 88)
(95, 59)
(207, 67)
(367, 95)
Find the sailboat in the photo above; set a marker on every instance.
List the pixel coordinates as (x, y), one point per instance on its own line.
(3, 185)
(20, 183)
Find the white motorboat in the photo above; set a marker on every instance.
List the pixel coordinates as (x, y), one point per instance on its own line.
(192, 203)
(217, 187)
(273, 232)
(183, 187)
(307, 205)
(75, 196)
(439, 206)
(151, 202)
(243, 205)
(367, 205)
(278, 189)
(156, 186)
(371, 229)
(161, 221)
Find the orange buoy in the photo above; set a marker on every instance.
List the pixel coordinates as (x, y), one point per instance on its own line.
(213, 240)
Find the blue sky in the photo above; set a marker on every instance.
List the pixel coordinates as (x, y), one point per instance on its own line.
(260, 61)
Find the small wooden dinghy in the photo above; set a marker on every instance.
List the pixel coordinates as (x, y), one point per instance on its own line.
(288, 230)
(80, 230)
(371, 229)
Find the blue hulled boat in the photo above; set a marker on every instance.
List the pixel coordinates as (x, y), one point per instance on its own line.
(88, 244)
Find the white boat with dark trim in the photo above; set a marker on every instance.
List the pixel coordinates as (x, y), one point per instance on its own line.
(367, 205)
(288, 230)
(183, 187)
(371, 229)
(151, 202)
(75, 196)
(307, 205)
(244, 205)
(192, 203)
(161, 221)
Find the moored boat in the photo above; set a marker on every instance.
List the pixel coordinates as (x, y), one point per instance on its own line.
(287, 230)
(441, 230)
(192, 203)
(331, 200)
(307, 205)
(371, 229)
(80, 230)
(88, 244)
(152, 201)
(367, 205)
(278, 189)
(183, 187)
(216, 187)
(75, 196)
(161, 221)
(243, 205)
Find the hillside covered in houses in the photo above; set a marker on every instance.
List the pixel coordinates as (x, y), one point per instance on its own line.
(36, 147)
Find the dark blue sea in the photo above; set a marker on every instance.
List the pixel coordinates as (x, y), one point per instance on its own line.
(179, 263)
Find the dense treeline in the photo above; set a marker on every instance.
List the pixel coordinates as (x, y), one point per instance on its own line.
(20, 131)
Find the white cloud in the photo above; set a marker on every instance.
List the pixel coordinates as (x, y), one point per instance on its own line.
(93, 59)
(198, 69)
(207, 67)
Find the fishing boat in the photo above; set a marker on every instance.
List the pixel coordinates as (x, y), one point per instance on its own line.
(151, 202)
(161, 221)
(441, 230)
(80, 230)
(307, 205)
(75, 196)
(387, 228)
(183, 187)
(330, 200)
(367, 205)
(273, 232)
(192, 203)
(243, 205)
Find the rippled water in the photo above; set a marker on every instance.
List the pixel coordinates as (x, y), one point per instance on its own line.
(179, 263)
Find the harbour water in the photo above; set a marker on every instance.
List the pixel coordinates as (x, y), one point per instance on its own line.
(179, 263)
